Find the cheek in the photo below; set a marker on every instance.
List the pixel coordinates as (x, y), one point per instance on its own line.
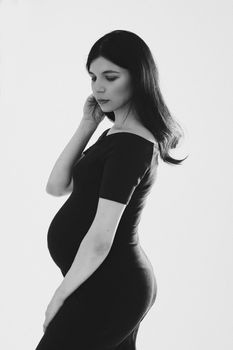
(122, 91)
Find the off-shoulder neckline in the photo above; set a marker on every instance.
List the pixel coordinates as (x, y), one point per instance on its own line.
(129, 133)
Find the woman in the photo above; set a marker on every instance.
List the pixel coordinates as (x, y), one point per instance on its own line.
(109, 283)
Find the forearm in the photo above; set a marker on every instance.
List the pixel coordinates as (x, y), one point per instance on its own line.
(61, 173)
(87, 260)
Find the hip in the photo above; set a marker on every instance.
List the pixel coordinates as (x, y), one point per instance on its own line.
(129, 271)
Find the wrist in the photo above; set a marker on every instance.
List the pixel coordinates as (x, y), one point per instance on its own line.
(86, 129)
(89, 124)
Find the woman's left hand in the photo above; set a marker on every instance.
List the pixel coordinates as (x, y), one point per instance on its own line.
(53, 307)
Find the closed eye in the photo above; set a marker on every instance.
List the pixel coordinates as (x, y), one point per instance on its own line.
(109, 79)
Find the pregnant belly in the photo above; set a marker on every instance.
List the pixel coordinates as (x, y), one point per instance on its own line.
(65, 234)
(70, 225)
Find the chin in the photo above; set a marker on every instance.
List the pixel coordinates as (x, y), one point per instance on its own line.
(106, 109)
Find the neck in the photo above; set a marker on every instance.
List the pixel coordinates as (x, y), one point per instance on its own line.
(126, 118)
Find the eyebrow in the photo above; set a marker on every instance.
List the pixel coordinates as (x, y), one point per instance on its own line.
(106, 71)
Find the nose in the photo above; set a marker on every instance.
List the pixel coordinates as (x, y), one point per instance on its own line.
(99, 93)
(100, 90)
(99, 87)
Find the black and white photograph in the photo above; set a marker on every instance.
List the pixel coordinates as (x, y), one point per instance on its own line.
(117, 171)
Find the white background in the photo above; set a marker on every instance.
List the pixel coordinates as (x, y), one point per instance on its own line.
(186, 227)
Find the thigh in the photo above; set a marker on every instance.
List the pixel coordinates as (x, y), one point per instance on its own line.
(67, 329)
(101, 315)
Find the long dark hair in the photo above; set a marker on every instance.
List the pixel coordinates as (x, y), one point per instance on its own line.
(129, 51)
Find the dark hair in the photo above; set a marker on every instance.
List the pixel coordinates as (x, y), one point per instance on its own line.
(129, 51)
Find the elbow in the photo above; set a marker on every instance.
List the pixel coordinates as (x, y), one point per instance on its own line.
(53, 191)
(58, 190)
(101, 247)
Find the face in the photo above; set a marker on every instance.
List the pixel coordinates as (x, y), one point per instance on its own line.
(114, 86)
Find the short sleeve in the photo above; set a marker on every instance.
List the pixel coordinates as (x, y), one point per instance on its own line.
(124, 167)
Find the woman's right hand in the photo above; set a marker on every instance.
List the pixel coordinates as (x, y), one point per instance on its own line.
(92, 111)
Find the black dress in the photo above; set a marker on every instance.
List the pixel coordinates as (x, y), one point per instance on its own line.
(104, 312)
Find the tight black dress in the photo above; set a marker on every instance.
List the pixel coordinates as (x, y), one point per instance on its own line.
(104, 312)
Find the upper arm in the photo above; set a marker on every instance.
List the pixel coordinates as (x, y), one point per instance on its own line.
(123, 169)
(105, 223)
(58, 189)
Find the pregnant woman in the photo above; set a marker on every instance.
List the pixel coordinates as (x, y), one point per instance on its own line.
(109, 283)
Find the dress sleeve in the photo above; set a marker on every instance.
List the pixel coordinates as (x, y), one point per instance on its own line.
(124, 167)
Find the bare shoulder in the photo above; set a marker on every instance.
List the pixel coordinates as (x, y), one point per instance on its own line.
(148, 134)
(144, 132)
(138, 130)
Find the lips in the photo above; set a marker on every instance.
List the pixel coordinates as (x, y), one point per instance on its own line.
(102, 100)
